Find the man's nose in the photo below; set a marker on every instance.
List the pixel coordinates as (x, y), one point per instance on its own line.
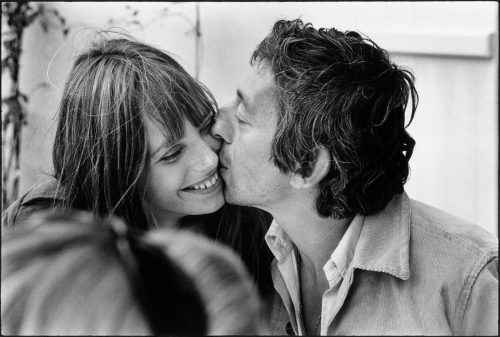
(213, 142)
(206, 159)
(223, 128)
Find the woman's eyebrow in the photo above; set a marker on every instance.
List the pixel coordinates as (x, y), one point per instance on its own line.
(164, 145)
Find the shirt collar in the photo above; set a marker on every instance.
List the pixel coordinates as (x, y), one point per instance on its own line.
(281, 245)
(278, 241)
(384, 242)
(343, 254)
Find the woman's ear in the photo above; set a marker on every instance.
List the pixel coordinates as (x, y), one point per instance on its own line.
(319, 171)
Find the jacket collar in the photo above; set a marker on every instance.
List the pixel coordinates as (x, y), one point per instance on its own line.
(384, 242)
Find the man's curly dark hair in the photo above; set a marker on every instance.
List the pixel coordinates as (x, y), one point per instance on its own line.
(340, 91)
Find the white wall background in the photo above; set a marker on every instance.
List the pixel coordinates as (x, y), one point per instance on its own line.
(451, 47)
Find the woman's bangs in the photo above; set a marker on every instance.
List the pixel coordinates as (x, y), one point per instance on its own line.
(169, 119)
(200, 104)
(177, 97)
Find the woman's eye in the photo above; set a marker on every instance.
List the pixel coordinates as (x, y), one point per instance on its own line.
(171, 158)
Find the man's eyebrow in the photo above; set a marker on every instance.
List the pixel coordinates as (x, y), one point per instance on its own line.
(242, 97)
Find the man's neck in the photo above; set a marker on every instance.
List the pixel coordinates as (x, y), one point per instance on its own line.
(315, 237)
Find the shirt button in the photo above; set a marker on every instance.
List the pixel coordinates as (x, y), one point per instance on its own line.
(289, 329)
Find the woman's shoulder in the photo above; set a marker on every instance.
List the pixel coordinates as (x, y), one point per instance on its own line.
(43, 196)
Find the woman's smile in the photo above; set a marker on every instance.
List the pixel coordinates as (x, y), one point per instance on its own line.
(208, 185)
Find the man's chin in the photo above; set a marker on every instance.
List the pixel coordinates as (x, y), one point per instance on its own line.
(231, 197)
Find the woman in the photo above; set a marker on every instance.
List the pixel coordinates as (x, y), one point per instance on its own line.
(133, 141)
(78, 275)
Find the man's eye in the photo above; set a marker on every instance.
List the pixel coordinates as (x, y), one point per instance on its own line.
(171, 158)
(238, 118)
(240, 121)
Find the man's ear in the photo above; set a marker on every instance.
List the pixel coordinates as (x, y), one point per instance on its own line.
(319, 171)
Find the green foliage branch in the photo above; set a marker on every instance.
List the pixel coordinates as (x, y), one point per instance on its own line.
(16, 17)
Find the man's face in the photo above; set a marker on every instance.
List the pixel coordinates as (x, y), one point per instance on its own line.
(247, 126)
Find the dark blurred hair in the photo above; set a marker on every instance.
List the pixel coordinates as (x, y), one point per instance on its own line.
(78, 274)
(340, 91)
(243, 229)
(100, 150)
(231, 301)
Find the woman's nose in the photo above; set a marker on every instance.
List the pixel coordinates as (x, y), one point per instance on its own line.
(223, 129)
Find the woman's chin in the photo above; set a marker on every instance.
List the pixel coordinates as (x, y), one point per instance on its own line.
(216, 203)
(209, 205)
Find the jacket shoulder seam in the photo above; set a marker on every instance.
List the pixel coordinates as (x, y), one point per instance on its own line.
(456, 240)
(467, 288)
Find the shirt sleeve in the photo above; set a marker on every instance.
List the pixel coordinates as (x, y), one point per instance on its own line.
(481, 312)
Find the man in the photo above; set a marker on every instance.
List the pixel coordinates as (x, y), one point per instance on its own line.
(316, 137)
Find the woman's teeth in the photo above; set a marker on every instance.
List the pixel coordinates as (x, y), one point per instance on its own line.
(206, 184)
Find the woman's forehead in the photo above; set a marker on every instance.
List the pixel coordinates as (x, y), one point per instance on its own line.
(159, 135)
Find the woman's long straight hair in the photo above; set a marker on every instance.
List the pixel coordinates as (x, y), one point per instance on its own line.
(100, 151)
(243, 229)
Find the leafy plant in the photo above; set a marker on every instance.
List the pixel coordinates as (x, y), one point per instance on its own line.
(133, 20)
(16, 17)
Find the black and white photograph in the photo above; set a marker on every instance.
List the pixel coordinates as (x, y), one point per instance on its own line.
(250, 168)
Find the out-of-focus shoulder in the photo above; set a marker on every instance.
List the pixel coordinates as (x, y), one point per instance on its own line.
(43, 196)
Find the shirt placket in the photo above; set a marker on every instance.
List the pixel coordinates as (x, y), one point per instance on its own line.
(287, 287)
(333, 300)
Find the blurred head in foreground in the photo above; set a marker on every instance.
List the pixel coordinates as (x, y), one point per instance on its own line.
(80, 275)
